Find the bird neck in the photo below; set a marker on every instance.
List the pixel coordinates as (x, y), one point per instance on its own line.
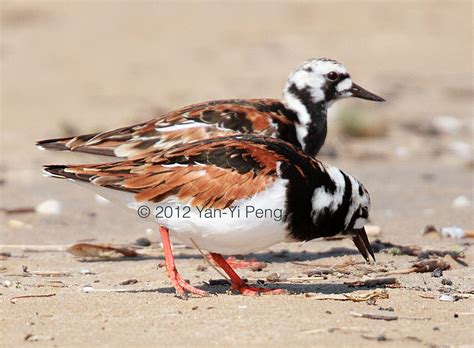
(311, 123)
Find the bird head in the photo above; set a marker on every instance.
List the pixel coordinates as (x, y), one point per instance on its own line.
(325, 80)
(356, 219)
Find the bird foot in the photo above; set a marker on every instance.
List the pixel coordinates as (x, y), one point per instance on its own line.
(238, 263)
(183, 287)
(248, 290)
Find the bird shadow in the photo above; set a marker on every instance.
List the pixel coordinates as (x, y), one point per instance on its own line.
(292, 289)
(281, 256)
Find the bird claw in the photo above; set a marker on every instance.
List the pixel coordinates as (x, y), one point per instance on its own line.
(248, 290)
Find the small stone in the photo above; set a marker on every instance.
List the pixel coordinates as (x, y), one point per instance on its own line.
(461, 202)
(456, 315)
(446, 298)
(129, 281)
(273, 278)
(101, 200)
(7, 283)
(85, 271)
(194, 308)
(87, 289)
(328, 312)
(49, 207)
(436, 328)
(144, 242)
(446, 281)
(452, 232)
(437, 273)
(430, 229)
(201, 268)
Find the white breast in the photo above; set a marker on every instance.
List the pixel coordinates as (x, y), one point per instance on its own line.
(248, 225)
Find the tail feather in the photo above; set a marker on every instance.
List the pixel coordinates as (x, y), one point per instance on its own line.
(58, 144)
(61, 172)
(78, 143)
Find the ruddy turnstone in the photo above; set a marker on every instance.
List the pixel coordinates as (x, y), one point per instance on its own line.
(299, 118)
(232, 195)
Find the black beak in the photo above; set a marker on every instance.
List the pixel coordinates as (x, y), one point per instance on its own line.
(359, 92)
(362, 243)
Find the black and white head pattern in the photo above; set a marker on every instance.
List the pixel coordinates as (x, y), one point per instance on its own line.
(347, 206)
(325, 80)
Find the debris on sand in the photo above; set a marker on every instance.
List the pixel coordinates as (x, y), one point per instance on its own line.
(49, 207)
(129, 281)
(37, 338)
(424, 266)
(387, 317)
(456, 232)
(415, 250)
(273, 278)
(461, 202)
(360, 297)
(16, 298)
(18, 224)
(100, 250)
(144, 242)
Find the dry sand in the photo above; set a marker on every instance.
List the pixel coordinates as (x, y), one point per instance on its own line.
(80, 67)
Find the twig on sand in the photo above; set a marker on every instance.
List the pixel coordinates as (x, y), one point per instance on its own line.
(100, 250)
(423, 266)
(377, 294)
(16, 298)
(387, 317)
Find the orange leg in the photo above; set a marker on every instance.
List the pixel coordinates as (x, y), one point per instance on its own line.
(178, 282)
(237, 263)
(239, 284)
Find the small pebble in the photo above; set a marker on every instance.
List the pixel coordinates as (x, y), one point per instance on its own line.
(194, 308)
(201, 268)
(437, 273)
(17, 224)
(129, 281)
(49, 207)
(452, 232)
(87, 289)
(274, 277)
(85, 271)
(446, 281)
(461, 202)
(328, 312)
(446, 298)
(436, 328)
(430, 229)
(7, 283)
(101, 200)
(145, 242)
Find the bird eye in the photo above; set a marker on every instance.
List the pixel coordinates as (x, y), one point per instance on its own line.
(332, 76)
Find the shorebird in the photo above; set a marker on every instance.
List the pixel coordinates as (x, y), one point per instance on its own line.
(300, 117)
(232, 195)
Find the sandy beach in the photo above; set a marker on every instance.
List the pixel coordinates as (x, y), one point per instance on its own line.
(79, 67)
